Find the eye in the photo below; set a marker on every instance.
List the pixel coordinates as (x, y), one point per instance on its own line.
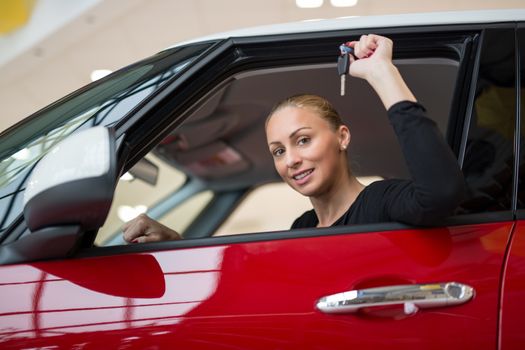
(278, 152)
(303, 140)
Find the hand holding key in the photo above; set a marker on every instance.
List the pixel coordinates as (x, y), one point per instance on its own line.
(371, 60)
(373, 53)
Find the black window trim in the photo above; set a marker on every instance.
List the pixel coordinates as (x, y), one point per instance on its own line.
(517, 129)
(471, 219)
(168, 108)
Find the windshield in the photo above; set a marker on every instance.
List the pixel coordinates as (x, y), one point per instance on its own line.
(103, 102)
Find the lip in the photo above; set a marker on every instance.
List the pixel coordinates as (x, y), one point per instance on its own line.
(304, 179)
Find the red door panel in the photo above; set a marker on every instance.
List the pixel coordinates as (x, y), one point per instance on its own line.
(259, 295)
(513, 302)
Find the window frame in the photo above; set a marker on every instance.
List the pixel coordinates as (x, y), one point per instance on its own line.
(504, 215)
(239, 54)
(520, 114)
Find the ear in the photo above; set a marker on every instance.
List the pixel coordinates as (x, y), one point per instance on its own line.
(344, 137)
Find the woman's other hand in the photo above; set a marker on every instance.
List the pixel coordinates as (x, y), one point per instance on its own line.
(143, 229)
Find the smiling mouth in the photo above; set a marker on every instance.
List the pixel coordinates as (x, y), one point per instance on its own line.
(303, 174)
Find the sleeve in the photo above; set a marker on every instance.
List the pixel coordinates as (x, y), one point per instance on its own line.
(437, 185)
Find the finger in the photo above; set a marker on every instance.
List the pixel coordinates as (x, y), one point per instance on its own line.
(371, 41)
(375, 38)
(350, 43)
(358, 50)
(126, 225)
(149, 239)
(135, 230)
(367, 45)
(384, 47)
(141, 217)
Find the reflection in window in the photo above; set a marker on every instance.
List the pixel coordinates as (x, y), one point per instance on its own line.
(134, 196)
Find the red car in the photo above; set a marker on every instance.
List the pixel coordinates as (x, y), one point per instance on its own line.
(184, 132)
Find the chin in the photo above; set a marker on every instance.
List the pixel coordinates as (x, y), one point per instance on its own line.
(307, 190)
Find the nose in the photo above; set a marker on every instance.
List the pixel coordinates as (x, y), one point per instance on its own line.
(292, 158)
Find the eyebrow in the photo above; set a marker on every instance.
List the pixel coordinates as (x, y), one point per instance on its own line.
(292, 134)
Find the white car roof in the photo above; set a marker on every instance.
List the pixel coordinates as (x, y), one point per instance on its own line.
(363, 22)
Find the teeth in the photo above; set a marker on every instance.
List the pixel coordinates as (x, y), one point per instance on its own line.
(302, 175)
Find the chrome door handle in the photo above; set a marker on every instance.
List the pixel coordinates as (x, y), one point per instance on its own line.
(412, 296)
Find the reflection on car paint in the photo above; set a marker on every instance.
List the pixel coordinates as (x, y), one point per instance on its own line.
(252, 294)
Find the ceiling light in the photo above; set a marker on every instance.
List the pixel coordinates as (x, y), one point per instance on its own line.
(127, 213)
(309, 4)
(343, 3)
(99, 73)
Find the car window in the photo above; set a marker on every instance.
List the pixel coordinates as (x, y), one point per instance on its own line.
(222, 143)
(488, 164)
(183, 215)
(104, 102)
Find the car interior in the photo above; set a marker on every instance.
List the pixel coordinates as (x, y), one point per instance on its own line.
(205, 170)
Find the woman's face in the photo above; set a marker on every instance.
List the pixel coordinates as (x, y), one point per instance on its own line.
(307, 152)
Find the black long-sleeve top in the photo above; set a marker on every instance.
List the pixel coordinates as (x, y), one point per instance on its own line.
(435, 190)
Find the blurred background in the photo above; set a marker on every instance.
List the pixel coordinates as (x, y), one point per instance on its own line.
(49, 48)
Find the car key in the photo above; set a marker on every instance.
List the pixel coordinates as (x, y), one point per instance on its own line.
(343, 63)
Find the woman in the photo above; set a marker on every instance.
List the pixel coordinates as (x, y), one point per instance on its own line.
(308, 142)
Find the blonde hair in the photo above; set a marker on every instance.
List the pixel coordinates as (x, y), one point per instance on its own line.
(315, 103)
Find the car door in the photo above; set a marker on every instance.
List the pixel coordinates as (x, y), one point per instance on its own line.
(262, 291)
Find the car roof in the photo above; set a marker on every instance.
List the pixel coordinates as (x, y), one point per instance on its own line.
(363, 22)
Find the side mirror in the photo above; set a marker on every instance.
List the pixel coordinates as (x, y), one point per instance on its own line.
(67, 198)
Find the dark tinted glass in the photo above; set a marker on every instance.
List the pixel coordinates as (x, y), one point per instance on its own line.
(103, 102)
(489, 157)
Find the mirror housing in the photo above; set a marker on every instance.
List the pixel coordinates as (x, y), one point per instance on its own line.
(67, 197)
(73, 183)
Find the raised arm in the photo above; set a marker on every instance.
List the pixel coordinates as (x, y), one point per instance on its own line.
(437, 185)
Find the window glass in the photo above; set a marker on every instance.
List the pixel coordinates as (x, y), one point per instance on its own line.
(134, 196)
(489, 158)
(270, 207)
(222, 147)
(183, 215)
(103, 102)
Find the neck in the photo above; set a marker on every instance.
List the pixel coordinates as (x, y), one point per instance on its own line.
(334, 203)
